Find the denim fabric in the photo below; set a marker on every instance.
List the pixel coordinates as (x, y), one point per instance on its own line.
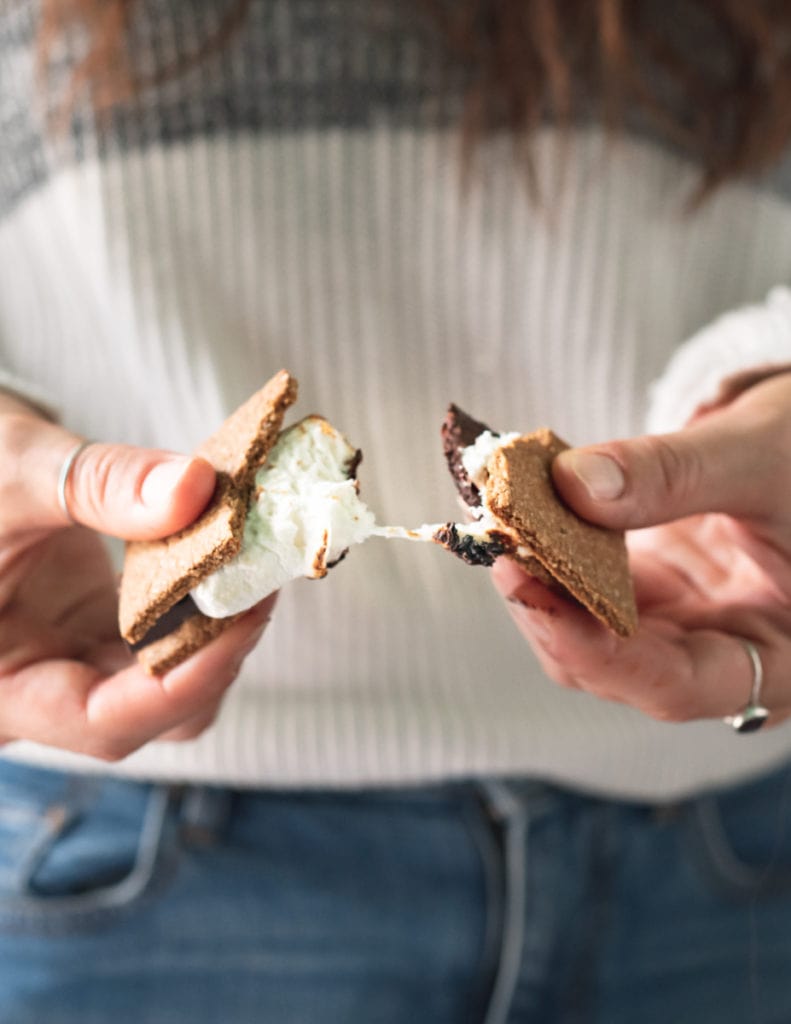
(493, 901)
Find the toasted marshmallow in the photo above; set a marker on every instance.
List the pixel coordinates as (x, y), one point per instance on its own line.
(483, 539)
(475, 457)
(304, 514)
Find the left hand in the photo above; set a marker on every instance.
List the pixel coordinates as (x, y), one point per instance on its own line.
(67, 679)
(710, 507)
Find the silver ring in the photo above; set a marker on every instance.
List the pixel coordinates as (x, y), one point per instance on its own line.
(63, 477)
(753, 716)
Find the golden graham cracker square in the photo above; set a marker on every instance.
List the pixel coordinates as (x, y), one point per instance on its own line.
(158, 574)
(167, 652)
(589, 561)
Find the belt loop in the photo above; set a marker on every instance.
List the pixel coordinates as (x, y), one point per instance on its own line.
(512, 816)
(205, 813)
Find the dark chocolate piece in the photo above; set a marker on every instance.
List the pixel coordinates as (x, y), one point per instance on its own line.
(167, 623)
(354, 464)
(470, 549)
(460, 430)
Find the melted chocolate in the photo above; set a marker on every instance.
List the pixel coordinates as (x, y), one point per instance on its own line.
(470, 549)
(167, 623)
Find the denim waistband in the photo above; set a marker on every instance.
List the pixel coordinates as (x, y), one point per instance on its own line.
(82, 855)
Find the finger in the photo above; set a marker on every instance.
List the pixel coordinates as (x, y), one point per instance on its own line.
(193, 727)
(149, 706)
(70, 705)
(137, 493)
(534, 609)
(517, 585)
(722, 464)
(665, 671)
(134, 493)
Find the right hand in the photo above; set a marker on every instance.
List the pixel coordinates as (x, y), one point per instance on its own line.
(709, 542)
(67, 678)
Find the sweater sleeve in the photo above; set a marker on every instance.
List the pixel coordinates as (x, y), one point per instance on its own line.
(736, 350)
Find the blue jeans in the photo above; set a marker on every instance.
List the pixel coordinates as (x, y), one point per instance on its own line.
(491, 901)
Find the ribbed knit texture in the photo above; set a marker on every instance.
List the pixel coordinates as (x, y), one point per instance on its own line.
(150, 284)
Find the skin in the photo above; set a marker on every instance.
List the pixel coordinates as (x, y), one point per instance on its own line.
(711, 556)
(66, 677)
(710, 507)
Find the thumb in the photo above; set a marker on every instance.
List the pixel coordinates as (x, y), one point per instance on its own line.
(708, 467)
(127, 492)
(137, 493)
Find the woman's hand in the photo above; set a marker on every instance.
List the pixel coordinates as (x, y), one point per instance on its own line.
(66, 677)
(710, 507)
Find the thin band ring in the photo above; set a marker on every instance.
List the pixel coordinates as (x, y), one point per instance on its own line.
(754, 715)
(65, 473)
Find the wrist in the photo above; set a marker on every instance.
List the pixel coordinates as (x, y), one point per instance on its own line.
(730, 355)
(736, 384)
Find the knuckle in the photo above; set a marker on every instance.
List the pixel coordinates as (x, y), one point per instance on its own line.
(668, 700)
(109, 749)
(679, 470)
(192, 730)
(566, 680)
(598, 688)
(93, 480)
(670, 713)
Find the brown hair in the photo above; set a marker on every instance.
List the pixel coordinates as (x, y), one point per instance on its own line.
(728, 104)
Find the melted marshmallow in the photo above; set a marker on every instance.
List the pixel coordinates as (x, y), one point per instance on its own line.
(305, 512)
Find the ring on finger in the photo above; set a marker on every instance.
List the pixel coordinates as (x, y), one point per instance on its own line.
(63, 477)
(753, 715)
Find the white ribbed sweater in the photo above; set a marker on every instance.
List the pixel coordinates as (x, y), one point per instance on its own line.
(148, 284)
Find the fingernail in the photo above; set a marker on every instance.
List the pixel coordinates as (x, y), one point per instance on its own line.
(601, 476)
(239, 657)
(262, 616)
(161, 481)
(250, 645)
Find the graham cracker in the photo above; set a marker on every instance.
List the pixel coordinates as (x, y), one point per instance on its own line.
(589, 561)
(460, 430)
(158, 574)
(164, 654)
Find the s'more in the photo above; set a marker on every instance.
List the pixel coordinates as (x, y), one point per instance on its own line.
(285, 505)
(505, 482)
